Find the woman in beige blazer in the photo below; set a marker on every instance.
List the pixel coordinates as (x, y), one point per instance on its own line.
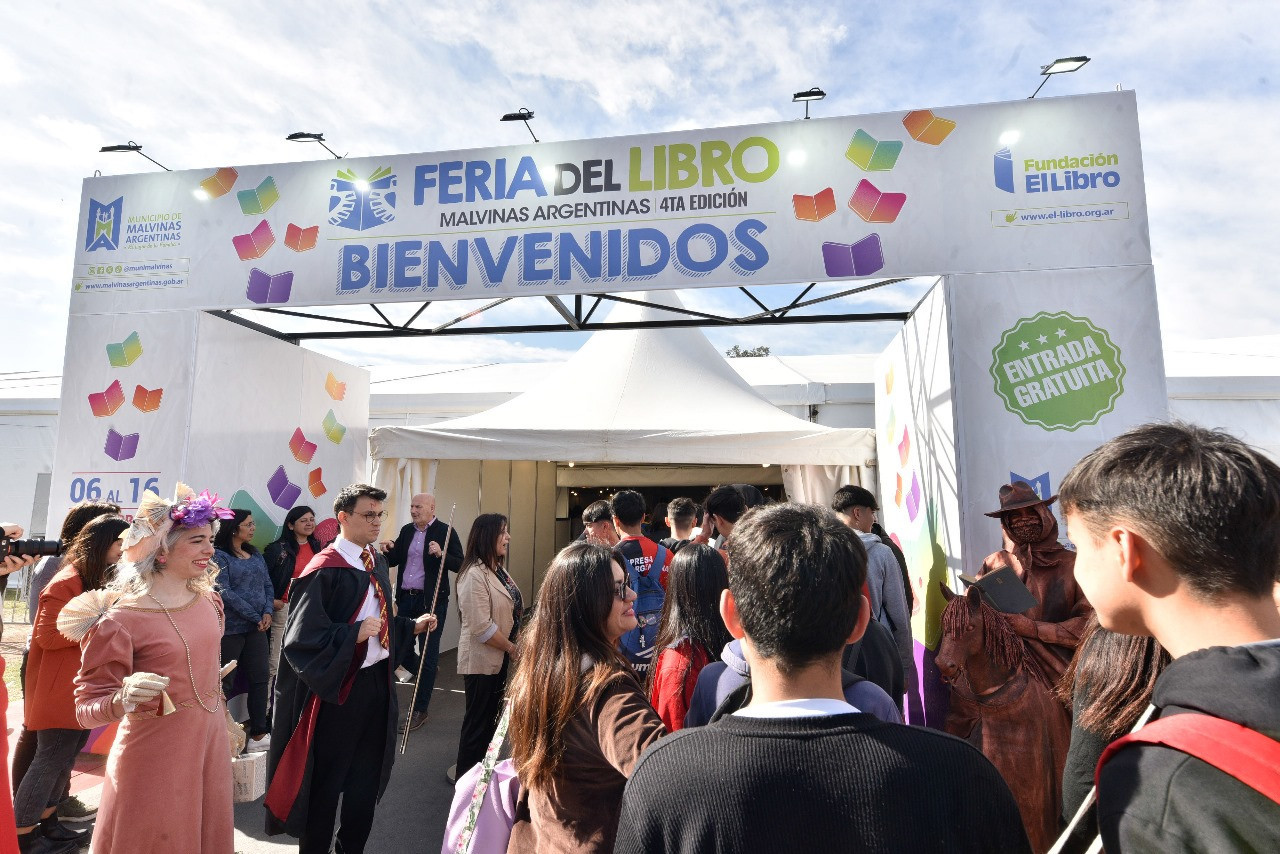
(491, 606)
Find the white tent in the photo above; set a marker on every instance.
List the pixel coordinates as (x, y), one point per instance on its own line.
(628, 400)
(635, 396)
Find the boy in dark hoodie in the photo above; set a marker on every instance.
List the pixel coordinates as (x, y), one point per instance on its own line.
(1177, 531)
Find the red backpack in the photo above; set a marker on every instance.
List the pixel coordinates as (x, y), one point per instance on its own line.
(1246, 754)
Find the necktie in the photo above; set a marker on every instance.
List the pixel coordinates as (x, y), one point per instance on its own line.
(384, 633)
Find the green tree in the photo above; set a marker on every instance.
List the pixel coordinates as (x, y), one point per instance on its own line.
(736, 352)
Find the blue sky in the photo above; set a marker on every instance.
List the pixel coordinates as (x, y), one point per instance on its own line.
(206, 84)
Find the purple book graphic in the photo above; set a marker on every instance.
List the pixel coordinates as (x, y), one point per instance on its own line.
(913, 498)
(283, 493)
(121, 448)
(264, 287)
(859, 259)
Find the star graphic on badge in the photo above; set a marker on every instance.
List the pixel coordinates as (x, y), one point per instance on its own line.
(1024, 345)
(1062, 333)
(1043, 339)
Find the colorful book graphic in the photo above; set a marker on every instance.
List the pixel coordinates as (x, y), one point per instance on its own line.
(119, 447)
(875, 206)
(303, 450)
(219, 183)
(314, 484)
(326, 530)
(892, 426)
(357, 204)
(814, 208)
(267, 529)
(871, 155)
(859, 259)
(1039, 484)
(925, 127)
(258, 201)
(256, 243)
(904, 447)
(301, 239)
(336, 390)
(332, 428)
(125, 353)
(283, 493)
(897, 492)
(888, 380)
(264, 287)
(104, 403)
(147, 400)
(913, 498)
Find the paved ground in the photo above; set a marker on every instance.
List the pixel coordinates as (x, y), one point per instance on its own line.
(412, 814)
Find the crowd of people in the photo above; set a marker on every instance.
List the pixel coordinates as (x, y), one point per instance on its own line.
(737, 686)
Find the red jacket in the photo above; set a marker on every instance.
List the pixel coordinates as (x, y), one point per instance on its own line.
(53, 661)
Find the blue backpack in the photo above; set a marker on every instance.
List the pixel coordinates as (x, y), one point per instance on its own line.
(637, 644)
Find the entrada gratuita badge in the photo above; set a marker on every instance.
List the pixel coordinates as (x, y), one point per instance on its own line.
(1057, 371)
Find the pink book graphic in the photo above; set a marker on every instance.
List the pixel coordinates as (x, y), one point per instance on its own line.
(284, 494)
(303, 450)
(301, 239)
(120, 447)
(875, 206)
(104, 403)
(904, 447)
(256, 243)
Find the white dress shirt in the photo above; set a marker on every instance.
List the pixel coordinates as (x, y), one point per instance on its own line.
(352, 554)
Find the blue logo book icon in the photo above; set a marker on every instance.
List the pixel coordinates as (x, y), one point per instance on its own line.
(1004, 170)
(1039, 484)
(102, 230)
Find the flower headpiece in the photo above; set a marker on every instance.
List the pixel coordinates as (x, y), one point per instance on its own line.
(155, 517)
(199, 510)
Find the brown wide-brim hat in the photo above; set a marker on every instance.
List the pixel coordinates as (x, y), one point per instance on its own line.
(1015, 496)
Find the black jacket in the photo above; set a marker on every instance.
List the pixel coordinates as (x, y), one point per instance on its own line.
(281, 556)
(1153, 798)
(435, 534)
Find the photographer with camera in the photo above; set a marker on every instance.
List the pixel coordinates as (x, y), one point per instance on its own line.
(71, 808)
(9, 563)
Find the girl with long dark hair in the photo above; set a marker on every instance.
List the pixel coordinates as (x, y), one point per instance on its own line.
(491, 606)
(248, 596)
(579, 717)
(286, 557)
(1108, 686)
(49, 708)
(690, 633)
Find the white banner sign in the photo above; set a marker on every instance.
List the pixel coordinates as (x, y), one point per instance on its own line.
(1022, 185)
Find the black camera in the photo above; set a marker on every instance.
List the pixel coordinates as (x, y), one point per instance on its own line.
(33, 548)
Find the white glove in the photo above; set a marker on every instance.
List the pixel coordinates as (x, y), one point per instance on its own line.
(141, 687)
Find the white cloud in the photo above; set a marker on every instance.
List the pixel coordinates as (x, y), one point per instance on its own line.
(204, 84)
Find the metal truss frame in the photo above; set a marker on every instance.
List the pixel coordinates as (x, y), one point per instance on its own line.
(576, 318)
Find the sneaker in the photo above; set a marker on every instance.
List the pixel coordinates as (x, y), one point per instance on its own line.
(72, 809)
(258, 745)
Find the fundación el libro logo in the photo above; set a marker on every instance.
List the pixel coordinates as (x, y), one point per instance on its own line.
(1055, 174)
(102, 228)
(1057, 371)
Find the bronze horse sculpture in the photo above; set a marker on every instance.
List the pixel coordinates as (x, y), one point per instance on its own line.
(1002, 703)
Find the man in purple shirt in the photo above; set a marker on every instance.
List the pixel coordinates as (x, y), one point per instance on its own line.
(417, 552)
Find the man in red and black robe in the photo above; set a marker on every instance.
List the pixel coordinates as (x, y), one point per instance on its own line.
(335, 709)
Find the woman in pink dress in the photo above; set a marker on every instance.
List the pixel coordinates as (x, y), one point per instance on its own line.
(151, 659)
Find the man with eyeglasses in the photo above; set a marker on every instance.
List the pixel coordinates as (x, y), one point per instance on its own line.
(336, 710)
(422, 555)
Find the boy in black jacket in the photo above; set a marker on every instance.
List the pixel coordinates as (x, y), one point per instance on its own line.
(798, 768)
(1177, 531)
